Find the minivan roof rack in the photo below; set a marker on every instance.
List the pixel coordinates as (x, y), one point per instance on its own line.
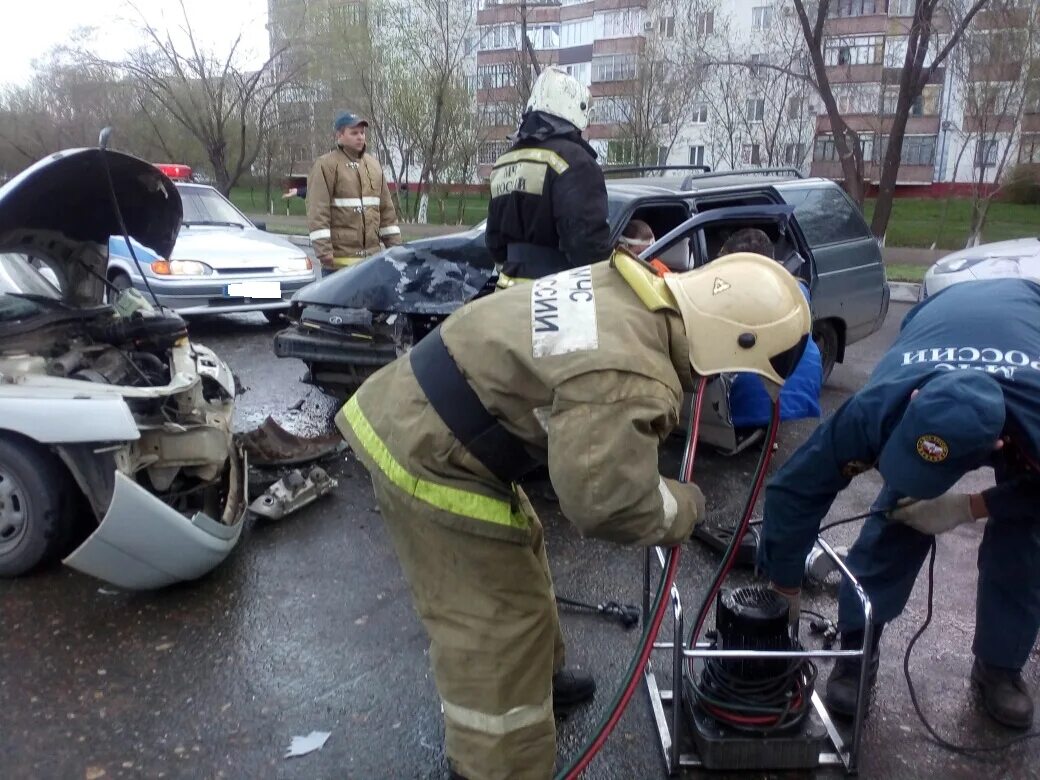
(705, 169)
(745, 172)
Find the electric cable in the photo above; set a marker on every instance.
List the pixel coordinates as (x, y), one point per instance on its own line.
(953, 747)
(658, 607)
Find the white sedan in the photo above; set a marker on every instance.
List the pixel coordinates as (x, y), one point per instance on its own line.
(1019, 257)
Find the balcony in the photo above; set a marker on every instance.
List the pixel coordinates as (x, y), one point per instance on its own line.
(633, 45)
(874, 123)
(854, 74)
(908, 174)
(614, 5)
(995, 71)
(873, 24)
(600, 89)
(579, 11)
(989, 124)
(500, 14)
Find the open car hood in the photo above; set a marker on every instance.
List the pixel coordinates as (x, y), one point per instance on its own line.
(68, 193)
(431, 276)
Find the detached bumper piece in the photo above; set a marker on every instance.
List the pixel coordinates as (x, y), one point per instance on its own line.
(144, 544)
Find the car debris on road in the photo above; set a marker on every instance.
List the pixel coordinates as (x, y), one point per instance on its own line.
(293, 492)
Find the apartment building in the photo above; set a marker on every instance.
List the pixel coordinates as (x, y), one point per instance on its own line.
(981, 109)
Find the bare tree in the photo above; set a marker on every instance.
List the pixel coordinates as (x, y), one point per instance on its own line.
(227, 108)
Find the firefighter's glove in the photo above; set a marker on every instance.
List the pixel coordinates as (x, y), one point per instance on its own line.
(934, 516)
(793, 597)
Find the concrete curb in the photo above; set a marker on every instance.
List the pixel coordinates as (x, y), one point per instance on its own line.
(905, 292)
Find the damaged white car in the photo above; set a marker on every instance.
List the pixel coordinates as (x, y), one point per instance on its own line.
(112, 422)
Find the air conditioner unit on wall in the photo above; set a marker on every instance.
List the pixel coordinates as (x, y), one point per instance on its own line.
(648, 26)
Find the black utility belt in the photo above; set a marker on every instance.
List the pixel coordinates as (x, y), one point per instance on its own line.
(451, 396)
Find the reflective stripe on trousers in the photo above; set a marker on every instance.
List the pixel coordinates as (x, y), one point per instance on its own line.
(448, 499)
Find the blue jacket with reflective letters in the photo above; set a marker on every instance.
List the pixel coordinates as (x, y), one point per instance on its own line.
(991, 326)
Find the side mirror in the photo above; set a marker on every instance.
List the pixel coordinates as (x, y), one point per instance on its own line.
(260, 225)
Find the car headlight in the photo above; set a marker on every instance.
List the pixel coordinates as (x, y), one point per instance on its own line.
(180, 268)
(295, 264)
(956, 264)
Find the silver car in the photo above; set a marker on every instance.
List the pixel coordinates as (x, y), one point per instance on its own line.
(222, 262)
(1019, 257)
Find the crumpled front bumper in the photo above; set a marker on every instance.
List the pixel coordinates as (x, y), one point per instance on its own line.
(143, 544)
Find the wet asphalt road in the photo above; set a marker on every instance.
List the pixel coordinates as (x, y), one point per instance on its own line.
(308, 627)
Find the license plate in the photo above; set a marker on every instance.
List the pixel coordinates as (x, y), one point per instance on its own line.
(254, 290)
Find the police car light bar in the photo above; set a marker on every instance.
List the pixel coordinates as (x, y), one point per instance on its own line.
(175, 171)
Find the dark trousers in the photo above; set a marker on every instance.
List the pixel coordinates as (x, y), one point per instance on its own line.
(887, 558)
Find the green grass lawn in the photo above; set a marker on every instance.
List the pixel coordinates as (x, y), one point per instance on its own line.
(905, 273)
(916, 222)
(252, 200)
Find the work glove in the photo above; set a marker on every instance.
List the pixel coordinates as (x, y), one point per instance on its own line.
(934, 516)
(793, 597)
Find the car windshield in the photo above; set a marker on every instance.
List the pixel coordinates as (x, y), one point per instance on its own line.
(205, 206)
(24, 291)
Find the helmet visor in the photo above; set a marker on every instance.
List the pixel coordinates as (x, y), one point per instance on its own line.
(787, 361)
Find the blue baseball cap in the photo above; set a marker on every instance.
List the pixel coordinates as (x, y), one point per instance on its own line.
(347, 119)
(949, 428)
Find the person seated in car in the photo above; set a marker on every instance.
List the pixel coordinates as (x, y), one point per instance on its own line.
(750, 406)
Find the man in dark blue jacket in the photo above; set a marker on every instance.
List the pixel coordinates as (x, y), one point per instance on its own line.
(959, 389)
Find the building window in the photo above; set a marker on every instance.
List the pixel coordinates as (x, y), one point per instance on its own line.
(626, 23)
(824, 149)
(917, 149)
(491, 151)
(576, 33)
(1029, 149)
(666, 26)
(797, 107)
(1032, 91)
(794, 154)
(499, 36)
(750, 155)
(544, 36)
(700, 114)
(761, 17)
(662, 155)
(986, 153)
(499, 114)
(925, 104)
(697, 155)
(611, 111)
(706, 23)
(614, 67)
(854, 50)
(494, 76)
(582, 71)
(852, 8)
(902, 7)
(755, 109)
(620, 151)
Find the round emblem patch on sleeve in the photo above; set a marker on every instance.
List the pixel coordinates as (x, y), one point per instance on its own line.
(932, 448)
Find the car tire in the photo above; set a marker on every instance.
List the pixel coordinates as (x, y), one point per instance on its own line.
(826, 338)
(274, 316)
(36, 510)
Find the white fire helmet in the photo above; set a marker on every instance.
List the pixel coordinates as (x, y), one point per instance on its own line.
(557, 93)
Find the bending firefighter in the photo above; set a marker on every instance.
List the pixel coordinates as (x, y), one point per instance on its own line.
(548, 209)
(349, 208)
(959, 389)
(588, 376)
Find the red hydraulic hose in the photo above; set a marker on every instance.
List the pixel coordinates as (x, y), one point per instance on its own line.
(650, 635)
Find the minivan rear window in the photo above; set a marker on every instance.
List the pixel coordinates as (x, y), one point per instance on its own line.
(826, 215)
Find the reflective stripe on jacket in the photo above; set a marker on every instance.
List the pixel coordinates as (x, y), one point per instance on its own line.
(589, 375)
(349, 208)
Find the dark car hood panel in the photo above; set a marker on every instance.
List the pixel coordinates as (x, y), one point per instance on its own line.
(432, 276)
(68, 193)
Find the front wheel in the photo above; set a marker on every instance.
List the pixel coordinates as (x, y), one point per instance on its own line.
(35, 518)
(826, 337)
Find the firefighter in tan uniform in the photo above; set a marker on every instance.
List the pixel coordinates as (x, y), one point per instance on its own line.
(584, 370)
(349, 208)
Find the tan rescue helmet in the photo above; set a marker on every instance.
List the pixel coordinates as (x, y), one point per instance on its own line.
(743, 312)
